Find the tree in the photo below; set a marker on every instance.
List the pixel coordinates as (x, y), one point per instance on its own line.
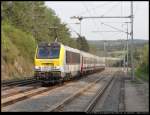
(35, 18)
(82, 44)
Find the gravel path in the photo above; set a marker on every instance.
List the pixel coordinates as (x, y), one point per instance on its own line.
(136, 96)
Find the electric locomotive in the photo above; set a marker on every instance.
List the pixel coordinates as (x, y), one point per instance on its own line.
(55, 62)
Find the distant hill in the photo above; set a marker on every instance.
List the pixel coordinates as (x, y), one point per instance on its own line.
(112, 45)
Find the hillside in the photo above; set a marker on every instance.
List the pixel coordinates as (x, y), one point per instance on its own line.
(18, 49)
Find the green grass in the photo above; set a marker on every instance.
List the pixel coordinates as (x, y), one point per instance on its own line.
(139, 74)
(142, 74)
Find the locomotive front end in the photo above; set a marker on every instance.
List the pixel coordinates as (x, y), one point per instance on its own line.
(48, 62)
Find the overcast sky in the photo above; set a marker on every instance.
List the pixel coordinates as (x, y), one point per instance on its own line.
(64, 10)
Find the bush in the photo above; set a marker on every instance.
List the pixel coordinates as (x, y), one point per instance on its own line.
(142, 69)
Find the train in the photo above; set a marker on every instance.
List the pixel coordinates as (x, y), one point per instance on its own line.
(55, 62)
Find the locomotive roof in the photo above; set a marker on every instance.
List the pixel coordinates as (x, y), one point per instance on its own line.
(42, 44)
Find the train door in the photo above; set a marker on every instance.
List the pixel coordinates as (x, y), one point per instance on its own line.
(81, 70)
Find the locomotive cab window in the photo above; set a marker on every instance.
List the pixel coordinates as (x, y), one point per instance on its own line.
(50, 52)
(43, 52)
(54, 52)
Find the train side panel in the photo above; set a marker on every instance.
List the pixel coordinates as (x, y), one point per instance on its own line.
(72, 62)
(92, 63)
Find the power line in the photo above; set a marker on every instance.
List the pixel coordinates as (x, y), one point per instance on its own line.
(105, 31)
(116, 33)
(110, 9)
(99, 22)
(95, 17)
(115, 28)
(73, 30)
(102, 5)
(103, 14)
(90, 15)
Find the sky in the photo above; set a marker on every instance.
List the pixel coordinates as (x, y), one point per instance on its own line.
(101, 29)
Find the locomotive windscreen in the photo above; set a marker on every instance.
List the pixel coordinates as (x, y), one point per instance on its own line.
(48, 51)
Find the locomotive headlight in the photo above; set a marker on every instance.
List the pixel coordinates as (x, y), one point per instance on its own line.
(37, 67)
(56, 68)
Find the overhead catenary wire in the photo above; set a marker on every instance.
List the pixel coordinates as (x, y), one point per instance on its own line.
(115, 28)
(73, 30)
(112, 8)
(90, 15)
(98, 26)
(101, 6)
(105, 12)
(95, 12)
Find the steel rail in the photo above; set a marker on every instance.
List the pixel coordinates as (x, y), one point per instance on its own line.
(99, 93)
(70, 98)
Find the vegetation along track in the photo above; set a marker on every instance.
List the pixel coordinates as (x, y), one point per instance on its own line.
(79, 101)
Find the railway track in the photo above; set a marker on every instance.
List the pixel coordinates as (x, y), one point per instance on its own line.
(22, 94)
(14, 97)
(17, 90)
(6, 85)
(12, 82)
(79, 101)
(97, 96)
(90, 81)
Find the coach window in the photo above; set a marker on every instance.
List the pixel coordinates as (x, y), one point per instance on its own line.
(72, 58)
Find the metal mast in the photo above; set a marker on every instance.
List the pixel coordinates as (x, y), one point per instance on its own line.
(105, 52)
(127, 47)
(132, 44)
